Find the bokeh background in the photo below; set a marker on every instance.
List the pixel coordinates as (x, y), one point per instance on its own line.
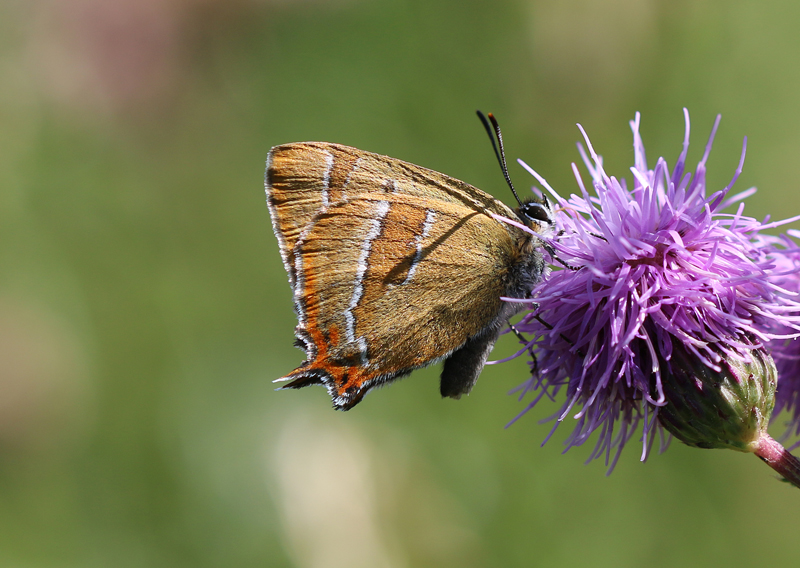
(144, 310)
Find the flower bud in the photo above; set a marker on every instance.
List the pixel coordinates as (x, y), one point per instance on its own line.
(729, 408)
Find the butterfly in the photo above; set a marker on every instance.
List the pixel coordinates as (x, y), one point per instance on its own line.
(395, 267)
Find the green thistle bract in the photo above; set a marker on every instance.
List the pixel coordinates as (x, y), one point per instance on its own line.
(726, 408)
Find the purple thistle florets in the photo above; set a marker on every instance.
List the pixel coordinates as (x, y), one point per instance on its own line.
(785, 348)
(654, 268)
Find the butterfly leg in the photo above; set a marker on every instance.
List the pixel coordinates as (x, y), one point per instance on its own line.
(524, 340)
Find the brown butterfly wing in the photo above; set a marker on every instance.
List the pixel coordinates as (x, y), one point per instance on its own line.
(393, 267)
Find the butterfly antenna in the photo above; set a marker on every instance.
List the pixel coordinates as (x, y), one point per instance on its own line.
(493, 131)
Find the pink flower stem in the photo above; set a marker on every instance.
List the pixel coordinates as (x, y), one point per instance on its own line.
(779, 459)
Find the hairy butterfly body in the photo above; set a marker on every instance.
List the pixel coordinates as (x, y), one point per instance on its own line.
(395, 267)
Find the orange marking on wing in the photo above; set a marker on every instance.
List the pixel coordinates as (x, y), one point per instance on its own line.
(393, 252)
(347, 380)
(343, 165)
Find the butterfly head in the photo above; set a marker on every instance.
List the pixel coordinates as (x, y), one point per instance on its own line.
(536, 214)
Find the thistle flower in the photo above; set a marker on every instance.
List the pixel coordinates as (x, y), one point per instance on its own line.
(665, 319)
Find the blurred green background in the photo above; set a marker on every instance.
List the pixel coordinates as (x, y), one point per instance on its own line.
(144, 309)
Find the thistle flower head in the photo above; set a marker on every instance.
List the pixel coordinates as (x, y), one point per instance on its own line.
(664, 278)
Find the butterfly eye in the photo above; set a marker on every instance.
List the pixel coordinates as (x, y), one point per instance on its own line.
(534, 211)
